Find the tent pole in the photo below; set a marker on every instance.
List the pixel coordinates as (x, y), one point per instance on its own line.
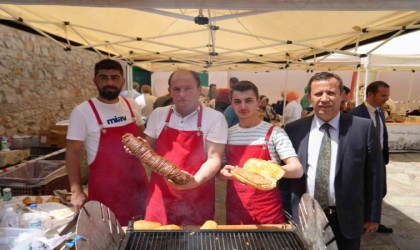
(366, 83)
(410, 89)
(129, 80)
(312, 46)
(84, 39)
(285, 94)
(391, 37)
(357, 86)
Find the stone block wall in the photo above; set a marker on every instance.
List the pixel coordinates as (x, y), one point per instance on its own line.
(40, 83)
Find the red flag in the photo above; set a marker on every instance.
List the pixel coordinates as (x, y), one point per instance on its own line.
(353, 86)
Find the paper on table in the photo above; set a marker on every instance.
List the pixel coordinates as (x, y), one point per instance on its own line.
(57, 210)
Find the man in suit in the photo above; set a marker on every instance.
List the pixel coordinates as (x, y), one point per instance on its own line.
(377, 94)
(340, 154)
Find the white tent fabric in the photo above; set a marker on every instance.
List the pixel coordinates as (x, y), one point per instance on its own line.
(392, 62)
(252, 36)
(238, 4)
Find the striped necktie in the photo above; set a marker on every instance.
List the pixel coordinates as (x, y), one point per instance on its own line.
(323, 169)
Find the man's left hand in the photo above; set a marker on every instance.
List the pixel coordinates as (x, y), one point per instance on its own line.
(191, 183)
(370, 227)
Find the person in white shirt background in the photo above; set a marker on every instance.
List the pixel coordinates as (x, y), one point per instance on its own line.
(293, 109)
(146, 101)
(132, 93)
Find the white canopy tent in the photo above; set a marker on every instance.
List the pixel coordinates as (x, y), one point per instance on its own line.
(400, 54)
(240, 35)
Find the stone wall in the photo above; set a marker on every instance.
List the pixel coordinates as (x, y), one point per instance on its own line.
(40, 82)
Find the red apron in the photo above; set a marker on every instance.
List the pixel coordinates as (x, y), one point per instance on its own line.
(116, 178)
(246, 204)
(182, 207)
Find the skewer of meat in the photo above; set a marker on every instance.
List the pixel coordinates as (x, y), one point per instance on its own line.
(142, 150)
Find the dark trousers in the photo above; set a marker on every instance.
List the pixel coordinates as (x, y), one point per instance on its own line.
(342, 242)
(286, 195)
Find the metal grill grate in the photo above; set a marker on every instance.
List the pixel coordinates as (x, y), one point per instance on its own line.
(212, 240)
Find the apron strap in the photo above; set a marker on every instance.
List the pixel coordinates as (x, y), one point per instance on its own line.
(200, 115)
(129, 107)
(95, 111)
(267, 136)
(168, 117)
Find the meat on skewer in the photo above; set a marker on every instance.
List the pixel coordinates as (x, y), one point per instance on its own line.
(142, 150)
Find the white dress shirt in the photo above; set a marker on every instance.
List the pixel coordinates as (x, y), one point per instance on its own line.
(372, 110)
(315, 139)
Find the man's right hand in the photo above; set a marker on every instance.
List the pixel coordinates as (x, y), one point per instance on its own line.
(78, 199)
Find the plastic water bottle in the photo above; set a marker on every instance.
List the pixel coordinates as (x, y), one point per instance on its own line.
(10, 218)
(35, 220)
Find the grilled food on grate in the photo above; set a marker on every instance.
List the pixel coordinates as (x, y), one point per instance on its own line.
(145, 225)
(142, 150)
(169, 227)
(261, 174)
(210, 224)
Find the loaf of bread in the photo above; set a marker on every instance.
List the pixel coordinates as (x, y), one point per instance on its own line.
(53, 199)
(145, 225)
(28, 200)
(142, 150)
(260, 174)
(210, 224)
(168, 227)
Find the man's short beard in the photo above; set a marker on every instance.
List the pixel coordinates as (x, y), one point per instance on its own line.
(109, 92)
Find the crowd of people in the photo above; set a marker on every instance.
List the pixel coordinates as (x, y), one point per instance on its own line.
(338, 157)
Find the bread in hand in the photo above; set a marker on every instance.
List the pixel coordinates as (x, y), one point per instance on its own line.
(260, 174)
(267, 169)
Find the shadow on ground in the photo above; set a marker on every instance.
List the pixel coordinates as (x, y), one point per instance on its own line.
(406, 233)
(401, 207)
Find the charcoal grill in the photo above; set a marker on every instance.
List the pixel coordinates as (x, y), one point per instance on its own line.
(99, 229)
(212, 239)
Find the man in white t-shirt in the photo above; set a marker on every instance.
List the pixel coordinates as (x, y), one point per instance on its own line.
(254, 138)
(116, 178)
(193, 137)
(146, 101)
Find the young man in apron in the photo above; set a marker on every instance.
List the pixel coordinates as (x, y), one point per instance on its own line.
(254, 138)
(193, 137)
(116, 178)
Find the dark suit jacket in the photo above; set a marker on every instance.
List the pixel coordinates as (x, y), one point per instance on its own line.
(358, 177)
(362, 111)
